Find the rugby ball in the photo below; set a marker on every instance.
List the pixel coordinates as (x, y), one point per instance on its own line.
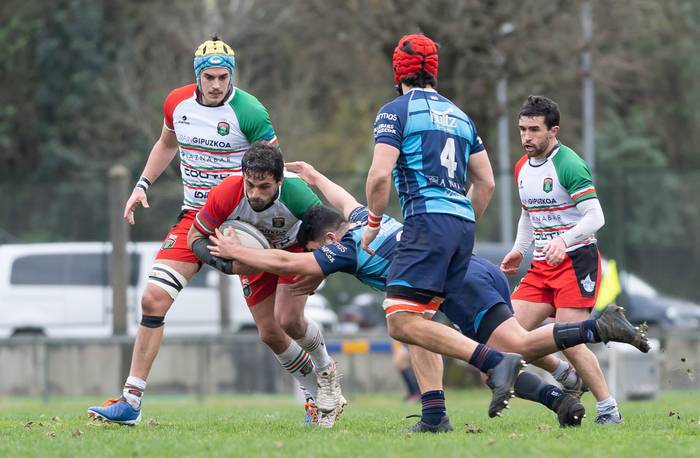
(248, 234)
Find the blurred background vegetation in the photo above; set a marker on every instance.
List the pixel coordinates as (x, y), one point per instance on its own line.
(83, 82)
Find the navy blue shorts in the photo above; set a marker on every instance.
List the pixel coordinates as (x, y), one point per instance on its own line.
(433, 253)
(483, 287)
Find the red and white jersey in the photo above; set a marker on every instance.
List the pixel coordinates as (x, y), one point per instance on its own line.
(279, 222)
(212, 140)
(549, 192)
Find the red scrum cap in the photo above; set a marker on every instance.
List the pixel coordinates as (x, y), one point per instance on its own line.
(413, 54)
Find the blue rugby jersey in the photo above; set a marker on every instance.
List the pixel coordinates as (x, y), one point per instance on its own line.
(435, 139)
(348, 256)
(484, 286)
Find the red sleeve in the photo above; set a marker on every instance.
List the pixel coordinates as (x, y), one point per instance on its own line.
(221, 202)
(518, 166)
(173, 99)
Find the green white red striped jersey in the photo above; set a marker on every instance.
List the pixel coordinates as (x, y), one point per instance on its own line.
(549, 192)
(212, 140)
(279, 222)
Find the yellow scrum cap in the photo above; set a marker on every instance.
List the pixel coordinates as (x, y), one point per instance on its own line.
(210, 47)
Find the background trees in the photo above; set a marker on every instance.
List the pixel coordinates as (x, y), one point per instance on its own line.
(83, 81)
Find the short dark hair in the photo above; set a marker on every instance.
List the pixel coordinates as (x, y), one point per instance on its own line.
(316, 222)
(539, 105)
(420, 79)
(263, 159)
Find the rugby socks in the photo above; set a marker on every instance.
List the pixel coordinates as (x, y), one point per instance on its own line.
(313, 343)
(409, 378)
(531, 387)
(607, 407)
(565, 374)
(133, 391)
(485, 358)
(567, 335)
(298, 363)
(433, 407)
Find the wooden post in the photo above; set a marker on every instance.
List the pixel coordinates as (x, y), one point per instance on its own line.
(119, 236)
(224, 302)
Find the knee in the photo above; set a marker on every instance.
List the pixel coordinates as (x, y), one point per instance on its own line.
(397, 330)
(575, 352)
(155, 302)
(294, 326)
(273, 337)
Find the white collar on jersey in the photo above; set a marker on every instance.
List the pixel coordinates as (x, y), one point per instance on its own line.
(426, 89)
(537, 162)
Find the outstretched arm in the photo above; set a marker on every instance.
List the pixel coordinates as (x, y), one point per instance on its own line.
(335, 194)
(278, 262)
(161, 155)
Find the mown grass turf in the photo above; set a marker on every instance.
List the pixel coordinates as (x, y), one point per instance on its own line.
(262, 426)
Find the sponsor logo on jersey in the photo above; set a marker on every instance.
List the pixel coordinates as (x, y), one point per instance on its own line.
(547, 185)
(182, 120)
(169, 242)
(387, 116)
(442, 118)
(278, 221)
(541, 201)
(223, 128)
(205, 142)
(330, 255)
(384, 129)
(588, 284)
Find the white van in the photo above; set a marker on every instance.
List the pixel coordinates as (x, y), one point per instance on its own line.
(63, 290)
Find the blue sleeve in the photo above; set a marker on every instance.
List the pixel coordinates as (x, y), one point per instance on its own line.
(358, 215)
(337, 256)
(388, 125)
(477, 145)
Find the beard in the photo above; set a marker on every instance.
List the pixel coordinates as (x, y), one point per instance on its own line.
(536, 149)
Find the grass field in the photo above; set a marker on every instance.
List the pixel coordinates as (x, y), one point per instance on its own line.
(264, 426)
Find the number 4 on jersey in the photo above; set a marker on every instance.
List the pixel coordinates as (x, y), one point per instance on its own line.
(447, 157)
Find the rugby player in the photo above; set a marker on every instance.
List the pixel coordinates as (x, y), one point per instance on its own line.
(481, 309)
(560, 213)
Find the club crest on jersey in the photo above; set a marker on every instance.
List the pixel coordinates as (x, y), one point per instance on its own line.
(278, 221)
(548, 185)
(169, 242)
(223, 128)
(246, 287)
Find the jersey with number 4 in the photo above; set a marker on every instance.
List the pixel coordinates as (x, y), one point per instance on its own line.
(212, 140)
(279, 222)
(549, 192)
(435, 139)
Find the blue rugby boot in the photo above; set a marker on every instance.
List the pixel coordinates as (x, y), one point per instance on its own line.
(115, 411)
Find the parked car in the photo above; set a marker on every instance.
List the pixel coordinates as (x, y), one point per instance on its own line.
(63, 290)
(643, 303)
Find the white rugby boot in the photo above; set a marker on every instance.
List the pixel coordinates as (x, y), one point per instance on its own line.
(329, 395)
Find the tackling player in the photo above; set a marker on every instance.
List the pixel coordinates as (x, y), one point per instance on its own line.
(481, 309)
(561, 213)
